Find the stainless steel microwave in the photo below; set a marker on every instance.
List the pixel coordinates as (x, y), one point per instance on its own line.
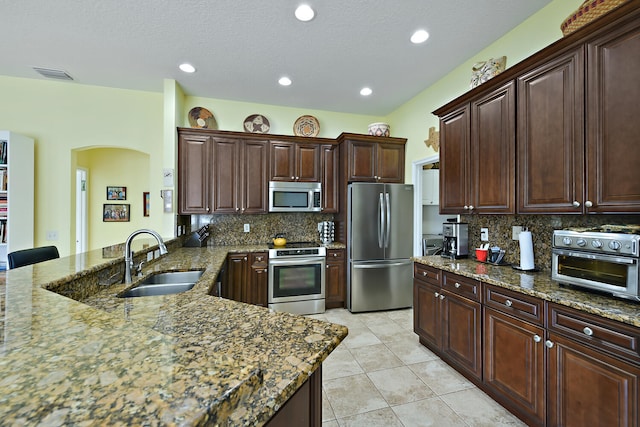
(295, 196)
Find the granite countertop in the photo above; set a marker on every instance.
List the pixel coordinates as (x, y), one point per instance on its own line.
(539, 284)
(189, 359)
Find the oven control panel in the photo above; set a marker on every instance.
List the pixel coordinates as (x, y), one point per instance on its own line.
(609, 243)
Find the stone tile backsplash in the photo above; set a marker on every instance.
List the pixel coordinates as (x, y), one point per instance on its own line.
(541, 227)
(229, 229)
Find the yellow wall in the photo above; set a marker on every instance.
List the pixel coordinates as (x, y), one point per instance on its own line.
(413, 119)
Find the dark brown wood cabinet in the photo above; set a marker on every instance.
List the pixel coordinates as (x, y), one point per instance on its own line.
(336, 278)
(448, 322)
(330, 177)
(239, 176)
(373, 159)
(194, 174)
(294, 161)
(246, 278)
(477, 157)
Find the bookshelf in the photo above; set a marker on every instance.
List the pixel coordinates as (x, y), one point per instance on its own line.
(16, 194)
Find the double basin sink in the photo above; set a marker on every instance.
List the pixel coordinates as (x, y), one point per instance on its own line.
(173, 282)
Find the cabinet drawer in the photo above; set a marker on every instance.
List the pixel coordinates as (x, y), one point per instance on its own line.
(335, 255)
(468, 288)
(607, 335)
(522, 306)
(426, 273)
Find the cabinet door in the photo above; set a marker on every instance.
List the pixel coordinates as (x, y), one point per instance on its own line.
(194, 160)
(461, 332)
(256, 291)
(330, 178)
(237, 276)
(426, 313)
(551, 136)
(589, 388)
(454, 166)
(390, 163)
(362, 161)
(514, 364)
(335, 278)
(282, 161)
(430, 186)
(307, 161)
(226, 176)
(612, 121)
(255, 176)
(492, 152)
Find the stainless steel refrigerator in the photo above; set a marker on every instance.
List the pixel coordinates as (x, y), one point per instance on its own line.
(379, 244)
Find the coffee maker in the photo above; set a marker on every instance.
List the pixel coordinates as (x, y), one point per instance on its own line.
(455, 240)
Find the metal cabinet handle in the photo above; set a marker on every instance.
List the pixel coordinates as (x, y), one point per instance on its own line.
(465, 207)
(576, 204)
(457, 285)
(548, 343)
(587, 331)
(293, 177)
(335, 254)
(245, 258)
(537, 338)
(437, 294)
(588, 204)
(425, 274)
(207, 208)
(470, 207)
(441, 297)
(508, 303)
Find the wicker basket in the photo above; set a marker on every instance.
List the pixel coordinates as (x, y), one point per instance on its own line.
(587, 12)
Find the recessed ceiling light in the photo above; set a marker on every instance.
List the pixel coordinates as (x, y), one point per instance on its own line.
(187, 68)
(419, 36)
(366, 91)
(285, 81)
(304, 13)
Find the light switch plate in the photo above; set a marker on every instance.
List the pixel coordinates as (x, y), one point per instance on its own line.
(484, 234)
(247, 228)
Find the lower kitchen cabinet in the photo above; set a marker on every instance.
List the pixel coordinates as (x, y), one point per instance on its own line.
(246, 278)
(335, 279)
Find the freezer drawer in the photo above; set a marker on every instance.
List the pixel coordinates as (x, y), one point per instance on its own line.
(379, 285)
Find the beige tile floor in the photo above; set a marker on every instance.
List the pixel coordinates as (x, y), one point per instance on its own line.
(382, 376)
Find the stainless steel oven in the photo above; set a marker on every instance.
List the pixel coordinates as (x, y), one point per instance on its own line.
(602, 261)
(297, 278)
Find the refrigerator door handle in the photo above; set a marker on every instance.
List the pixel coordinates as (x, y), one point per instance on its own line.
(381, 221)
(388, 224)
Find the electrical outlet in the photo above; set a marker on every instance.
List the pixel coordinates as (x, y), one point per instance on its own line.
(515, 232)
(247, 228)
(484, 234)
(52, 235)
(149, 256)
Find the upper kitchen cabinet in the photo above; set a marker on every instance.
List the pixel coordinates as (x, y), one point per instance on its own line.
(194, 173)
(373, 159)
(240, 175)
(613, 125)
(477, 154)
(294, 161)
(551, 137)
(431, 187)
(330, 161)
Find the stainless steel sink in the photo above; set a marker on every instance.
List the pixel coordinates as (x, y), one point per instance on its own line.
(173, 282)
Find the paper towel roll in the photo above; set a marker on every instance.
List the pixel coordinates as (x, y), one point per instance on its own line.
(526, 251)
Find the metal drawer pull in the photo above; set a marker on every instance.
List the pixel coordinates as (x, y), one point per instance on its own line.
(457, 285)
(537, 338)
(508, 303)
(548, 343)
(587, 331)
(424, 273)
(437, 295)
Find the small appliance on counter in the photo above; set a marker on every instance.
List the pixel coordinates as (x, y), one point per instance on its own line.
(431, 244)
(455, 239)
(326, 230)
(198, 239)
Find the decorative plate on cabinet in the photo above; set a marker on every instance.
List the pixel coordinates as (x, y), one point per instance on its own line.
(306, 126)
(256, 123)
(200, 117)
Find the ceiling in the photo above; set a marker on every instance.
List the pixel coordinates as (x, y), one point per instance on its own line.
(241, 48)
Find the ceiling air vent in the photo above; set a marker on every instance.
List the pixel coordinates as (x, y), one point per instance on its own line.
(53, 74)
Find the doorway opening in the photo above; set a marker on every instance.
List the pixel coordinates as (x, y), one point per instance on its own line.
(426, 217)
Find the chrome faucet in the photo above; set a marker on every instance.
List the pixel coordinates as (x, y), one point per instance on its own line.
(128, 253)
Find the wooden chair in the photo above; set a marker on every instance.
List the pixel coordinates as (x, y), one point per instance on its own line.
(32, 256)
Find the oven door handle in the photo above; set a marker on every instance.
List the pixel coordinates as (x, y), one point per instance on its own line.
(610, 258)
(296, 261)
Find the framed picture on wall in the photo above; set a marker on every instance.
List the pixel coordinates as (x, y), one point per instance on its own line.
(115, 213)
(146, 203)
(116, 193)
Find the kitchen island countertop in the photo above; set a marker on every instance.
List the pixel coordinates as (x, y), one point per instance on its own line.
(539, 284)
(184, 359)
